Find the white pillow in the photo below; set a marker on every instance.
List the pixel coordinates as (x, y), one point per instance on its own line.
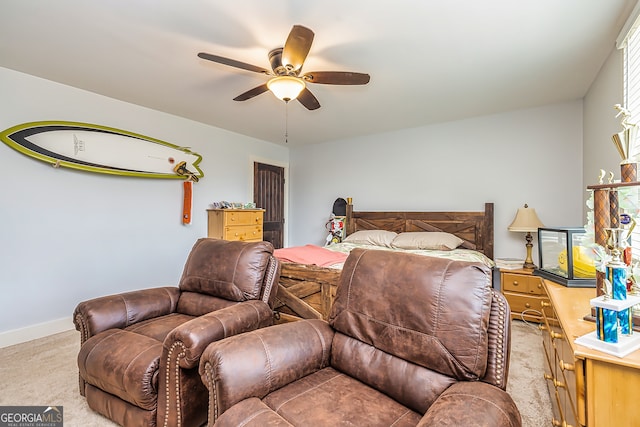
(372, 237)
(436, 240)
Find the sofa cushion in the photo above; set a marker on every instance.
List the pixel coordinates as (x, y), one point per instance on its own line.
(443, 326)
(330, 398)
(196, 304)
(251, 412)
(159, 327)
(229, 270)
(411, 385)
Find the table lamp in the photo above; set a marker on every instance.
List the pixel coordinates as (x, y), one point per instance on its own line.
(526, 221)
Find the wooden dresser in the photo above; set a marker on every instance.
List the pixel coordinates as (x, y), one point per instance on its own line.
(587, 387)
(235, 224)
(525, 294)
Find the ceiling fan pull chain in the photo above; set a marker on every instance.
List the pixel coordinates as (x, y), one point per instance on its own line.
(286, 122)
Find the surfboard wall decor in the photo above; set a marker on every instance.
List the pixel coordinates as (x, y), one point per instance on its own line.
(102, 149)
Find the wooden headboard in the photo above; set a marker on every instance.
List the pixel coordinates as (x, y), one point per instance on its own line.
(474, 227)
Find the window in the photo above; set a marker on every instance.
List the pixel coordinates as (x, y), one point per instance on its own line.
(629, 42)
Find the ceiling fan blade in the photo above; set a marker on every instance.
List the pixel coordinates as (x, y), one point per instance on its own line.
(251, 93)
(233, 63)
(337, 78)
(297, 47)
(307, 99)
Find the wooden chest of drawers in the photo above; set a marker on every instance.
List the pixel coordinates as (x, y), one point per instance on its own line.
(588, 387)
(235, 224)
(564, 374)
(525, 294)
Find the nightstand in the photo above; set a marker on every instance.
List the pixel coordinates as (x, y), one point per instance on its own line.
(235, 224)
(525, 294)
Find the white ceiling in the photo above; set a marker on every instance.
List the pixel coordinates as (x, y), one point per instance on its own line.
(429, 60)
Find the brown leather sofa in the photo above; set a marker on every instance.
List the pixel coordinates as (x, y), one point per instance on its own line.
(411, 340)
(140, 350)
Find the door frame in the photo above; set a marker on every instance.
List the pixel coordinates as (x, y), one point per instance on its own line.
(285, 166)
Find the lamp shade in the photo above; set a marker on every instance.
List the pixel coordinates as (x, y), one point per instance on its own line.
(526, 220)
(286, 88)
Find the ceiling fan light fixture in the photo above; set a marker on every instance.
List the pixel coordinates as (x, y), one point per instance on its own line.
(286, 88)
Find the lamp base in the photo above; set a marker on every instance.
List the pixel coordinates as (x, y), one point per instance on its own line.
(528, 262)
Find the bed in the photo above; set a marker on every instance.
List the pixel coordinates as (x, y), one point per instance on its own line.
(307, 290)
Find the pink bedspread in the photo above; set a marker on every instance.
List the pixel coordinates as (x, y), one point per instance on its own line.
(310, 254)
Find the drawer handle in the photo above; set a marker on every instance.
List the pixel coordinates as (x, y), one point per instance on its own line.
(527, 305)
(555, 335)
(539, 286)
(545, 304)
(515, 283)
(237, 234)
(567, 366)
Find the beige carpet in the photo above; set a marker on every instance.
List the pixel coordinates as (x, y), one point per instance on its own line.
(43, 372)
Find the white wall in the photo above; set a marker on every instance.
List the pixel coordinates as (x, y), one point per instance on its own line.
(529, 156)
(67, 235)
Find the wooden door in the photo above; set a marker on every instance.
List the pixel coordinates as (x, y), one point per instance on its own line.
(268, 194)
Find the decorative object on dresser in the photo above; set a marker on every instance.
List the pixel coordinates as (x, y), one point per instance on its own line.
(613, 204)
(565, 257)
(588, 387)
(526, 221)
(235, 224)
(525, 294)
(627, 145)
(613, 312)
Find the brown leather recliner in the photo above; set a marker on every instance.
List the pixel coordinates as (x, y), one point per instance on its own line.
(411, 340)
(140, 350)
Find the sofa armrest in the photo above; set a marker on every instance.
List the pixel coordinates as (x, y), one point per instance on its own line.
(121, 310)
(471, 403)
(191, 338)
(259, 362)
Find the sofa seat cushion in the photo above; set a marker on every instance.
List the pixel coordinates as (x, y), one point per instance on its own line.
(159, 327)
(328, 397)
(251, 412)
(124, 364)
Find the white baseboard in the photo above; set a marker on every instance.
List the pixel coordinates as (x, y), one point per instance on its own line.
(28, 333)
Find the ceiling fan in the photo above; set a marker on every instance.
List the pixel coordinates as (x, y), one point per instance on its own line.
(288, 82)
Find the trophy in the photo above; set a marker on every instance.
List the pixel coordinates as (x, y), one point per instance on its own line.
(612, 321)
(625, 143)
(617, 241)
